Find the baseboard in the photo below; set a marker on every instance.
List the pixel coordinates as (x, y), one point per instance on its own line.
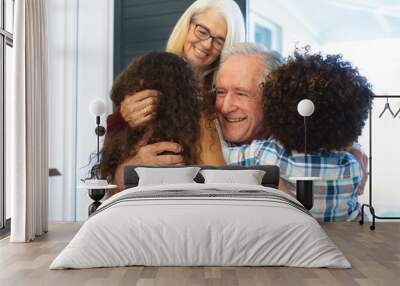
(5, 231)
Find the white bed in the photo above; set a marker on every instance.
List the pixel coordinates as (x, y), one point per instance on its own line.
(222, 224)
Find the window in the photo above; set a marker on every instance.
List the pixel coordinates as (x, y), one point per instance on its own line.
(6, 44)
(263, 36)
(262, 29)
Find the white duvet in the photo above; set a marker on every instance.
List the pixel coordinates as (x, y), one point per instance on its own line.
(207, 230)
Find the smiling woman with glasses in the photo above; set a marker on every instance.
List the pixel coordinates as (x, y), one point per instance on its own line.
(218, 20)
(204, 30)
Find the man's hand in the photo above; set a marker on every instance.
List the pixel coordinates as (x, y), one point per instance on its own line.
(139, 108)
(362, 159)
(150, 155)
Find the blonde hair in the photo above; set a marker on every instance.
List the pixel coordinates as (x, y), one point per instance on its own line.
(229, 10)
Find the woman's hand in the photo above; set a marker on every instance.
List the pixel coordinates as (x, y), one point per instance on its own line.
(139, 108)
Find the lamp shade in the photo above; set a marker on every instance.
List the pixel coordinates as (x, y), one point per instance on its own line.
(97, 107)
(305, 107)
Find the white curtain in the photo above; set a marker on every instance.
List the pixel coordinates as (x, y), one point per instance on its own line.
(27, 122)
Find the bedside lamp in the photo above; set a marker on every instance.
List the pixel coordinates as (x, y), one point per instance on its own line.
(305, 108)
(304, 185)
(97, 108)
(96, 186)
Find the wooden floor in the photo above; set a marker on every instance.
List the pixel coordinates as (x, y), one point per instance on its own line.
(374, 255)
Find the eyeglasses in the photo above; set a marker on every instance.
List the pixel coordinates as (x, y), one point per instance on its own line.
(202, 33)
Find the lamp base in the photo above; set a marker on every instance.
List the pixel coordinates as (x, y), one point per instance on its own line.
(96, 195)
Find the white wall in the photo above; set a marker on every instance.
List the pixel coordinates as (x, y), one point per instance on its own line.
(296, 30)
(80, 69)
(62, 106)
(95, 76)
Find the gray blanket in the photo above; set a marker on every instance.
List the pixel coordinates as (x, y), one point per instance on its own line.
(204, 194)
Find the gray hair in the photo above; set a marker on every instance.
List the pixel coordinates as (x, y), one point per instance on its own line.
(270, 59)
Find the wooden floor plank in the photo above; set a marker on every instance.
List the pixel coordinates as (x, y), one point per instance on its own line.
(374, 255)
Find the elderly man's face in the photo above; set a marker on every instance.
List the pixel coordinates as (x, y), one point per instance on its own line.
(239, 99)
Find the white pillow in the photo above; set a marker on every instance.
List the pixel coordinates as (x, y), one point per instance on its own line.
(165, 176)
(248, 177)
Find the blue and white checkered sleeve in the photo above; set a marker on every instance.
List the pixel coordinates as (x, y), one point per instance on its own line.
(245, 155)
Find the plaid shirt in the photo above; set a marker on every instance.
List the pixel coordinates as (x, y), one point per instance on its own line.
(335, 195)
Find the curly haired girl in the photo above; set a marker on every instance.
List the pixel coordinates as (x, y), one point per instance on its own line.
(177, 117)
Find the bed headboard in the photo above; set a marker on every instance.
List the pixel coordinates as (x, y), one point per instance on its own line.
(270, 179)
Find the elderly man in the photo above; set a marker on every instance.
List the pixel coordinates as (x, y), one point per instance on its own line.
(246, 111)
(239, 86)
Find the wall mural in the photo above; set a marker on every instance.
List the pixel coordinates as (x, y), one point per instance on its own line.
(202, 99)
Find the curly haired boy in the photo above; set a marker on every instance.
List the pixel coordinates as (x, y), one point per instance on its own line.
(342, 99)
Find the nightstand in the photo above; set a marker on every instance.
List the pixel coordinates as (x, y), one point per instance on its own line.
(96, 193)
(304, 190)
